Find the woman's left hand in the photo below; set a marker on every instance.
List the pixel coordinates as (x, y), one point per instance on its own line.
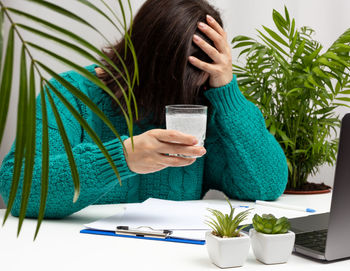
(220, 71)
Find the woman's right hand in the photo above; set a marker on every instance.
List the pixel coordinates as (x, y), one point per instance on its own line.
(151, 149)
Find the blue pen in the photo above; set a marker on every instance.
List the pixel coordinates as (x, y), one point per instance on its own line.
(240, 206)
(284, 206)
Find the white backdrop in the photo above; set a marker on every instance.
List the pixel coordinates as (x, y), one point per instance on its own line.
(330, 18)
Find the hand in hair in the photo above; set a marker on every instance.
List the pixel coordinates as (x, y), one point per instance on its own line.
(220, 71)
(151, 149)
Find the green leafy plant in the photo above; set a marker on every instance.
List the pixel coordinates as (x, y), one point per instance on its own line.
(25, 145)
(297, 85)
(225, 225)
(269, 224)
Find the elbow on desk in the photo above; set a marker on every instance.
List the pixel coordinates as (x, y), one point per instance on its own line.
(54, 209)
(33, 206)
(268, 185)
(268, 191)
(274, 176)
(275, 182)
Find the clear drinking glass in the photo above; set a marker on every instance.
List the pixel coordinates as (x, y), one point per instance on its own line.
(188, 119)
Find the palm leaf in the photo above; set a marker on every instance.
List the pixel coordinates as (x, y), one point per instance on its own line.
(86, 127)
(131, 16)
(20, 139)
(275, 36)
(89, 76)
(71, 15)
(291, 33)
(30, 141)
(45, 155)
(62, 11)
(301, 90)
(98, 10)
(131, 46)
(76, 92)
(26, 105)
(74, 37)
(68, 149)
(85, 99)
(6, 81)
(87, 55)
(287, 15)
(1, 34)
(123, 13)
(272, 43)
(279, 24)
(127, 35)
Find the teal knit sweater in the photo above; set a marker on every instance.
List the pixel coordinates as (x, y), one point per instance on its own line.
(243, 159)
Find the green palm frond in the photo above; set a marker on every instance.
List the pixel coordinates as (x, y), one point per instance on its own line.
(26, 119)
(30, 138)
(1, 32)
(6, 80)
(297, 84)
(45, 159)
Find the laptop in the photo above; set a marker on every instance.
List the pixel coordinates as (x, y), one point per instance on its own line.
(327, 236)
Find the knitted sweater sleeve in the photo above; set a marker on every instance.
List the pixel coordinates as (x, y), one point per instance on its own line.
(96, 175)
(243, 159)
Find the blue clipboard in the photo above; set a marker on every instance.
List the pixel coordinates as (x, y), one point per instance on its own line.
(168, 239)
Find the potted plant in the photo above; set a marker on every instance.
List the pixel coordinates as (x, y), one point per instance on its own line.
(297, 85)
(271, 239)
(34, 74)
(227, 246)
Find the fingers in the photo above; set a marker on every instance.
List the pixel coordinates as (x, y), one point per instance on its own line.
(175, 142)
(175, 161)
(207, 67)
(207, 48)
(220, 70)
(215, 25)
(173, 136)
(181, 149)
(219, 40)
(145, 157)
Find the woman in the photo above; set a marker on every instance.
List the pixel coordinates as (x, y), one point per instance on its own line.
(184, 58)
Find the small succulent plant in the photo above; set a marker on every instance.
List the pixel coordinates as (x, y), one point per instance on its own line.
(225, 225)
(269, 224)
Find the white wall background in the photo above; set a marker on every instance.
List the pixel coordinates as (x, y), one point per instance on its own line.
(330, 18)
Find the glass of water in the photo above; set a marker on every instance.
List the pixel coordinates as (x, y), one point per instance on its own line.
(188, 119)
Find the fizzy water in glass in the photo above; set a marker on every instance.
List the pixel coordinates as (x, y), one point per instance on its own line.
(188, 119)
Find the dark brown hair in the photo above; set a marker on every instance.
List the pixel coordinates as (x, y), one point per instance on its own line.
(162, 35)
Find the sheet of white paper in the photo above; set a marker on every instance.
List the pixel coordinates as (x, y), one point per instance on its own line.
(158, 214)
(190, 234)
(185, 218)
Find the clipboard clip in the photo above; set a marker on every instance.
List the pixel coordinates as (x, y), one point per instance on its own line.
(143, 231)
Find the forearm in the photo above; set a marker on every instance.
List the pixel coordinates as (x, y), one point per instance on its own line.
(95, 174)
(256, 166)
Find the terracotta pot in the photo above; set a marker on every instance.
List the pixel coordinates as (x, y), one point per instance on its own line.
(296, 192)
(310, 188)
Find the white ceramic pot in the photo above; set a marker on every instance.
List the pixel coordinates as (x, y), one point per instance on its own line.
(272, 248)
(227, 252)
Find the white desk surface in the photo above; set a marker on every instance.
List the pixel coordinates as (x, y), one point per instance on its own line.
(60, 246)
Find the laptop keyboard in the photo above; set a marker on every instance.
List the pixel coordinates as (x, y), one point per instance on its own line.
(315, 240)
